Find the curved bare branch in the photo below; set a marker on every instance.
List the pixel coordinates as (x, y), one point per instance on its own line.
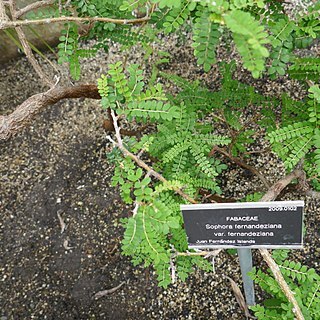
(26, 47)
(14, 122)
(276, 188)
(33, 6)
(21, 23)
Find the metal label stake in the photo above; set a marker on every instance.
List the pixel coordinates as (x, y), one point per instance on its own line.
(245, 258)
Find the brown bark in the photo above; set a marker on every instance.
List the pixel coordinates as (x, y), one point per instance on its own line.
(139, 162)
(26, 47)
(14, 122)
(215, 197)
(276, 188)
(33, 6)
(3, 16)
(240, 163)
(108, 126)
(271, 195)
(313, 194)
(21, 23)
(282, 282)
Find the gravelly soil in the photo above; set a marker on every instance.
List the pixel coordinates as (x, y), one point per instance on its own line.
(57, 167)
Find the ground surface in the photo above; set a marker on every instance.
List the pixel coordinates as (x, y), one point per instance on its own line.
(57, 168)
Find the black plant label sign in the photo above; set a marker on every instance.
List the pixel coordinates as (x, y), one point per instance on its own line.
(277, 224)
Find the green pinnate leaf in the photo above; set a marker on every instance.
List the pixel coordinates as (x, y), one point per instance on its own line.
(250, 39)
(206, 36)
(152, 110)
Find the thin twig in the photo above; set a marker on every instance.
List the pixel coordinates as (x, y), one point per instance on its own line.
(60, 6)
(139, 162)
(215, 197)
(310, 83)
(108, 126)
(67, 4)
(239, 297)
(66, 244)
(241, 163)
(313, 194)
(26, 47)
(109, 291)
(30, 56)
(21, 23)
(172, 269)
(62, 223)
(258, 151)
(33, 6)
(135, 210)
(206, 254)
(213, 254)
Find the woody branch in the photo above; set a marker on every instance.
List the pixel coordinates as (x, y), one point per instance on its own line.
(21, 23)
(26, 47)
(271, 195)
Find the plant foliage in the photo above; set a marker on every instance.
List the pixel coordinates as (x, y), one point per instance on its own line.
(305, 68)
(206, 36)
(304, 283)
(190, 125)
(181, 150)
(299, 138)
(263, 33)
(182, 145)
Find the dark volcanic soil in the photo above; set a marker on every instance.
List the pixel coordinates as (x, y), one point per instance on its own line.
(55, 172)
(57, 167)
